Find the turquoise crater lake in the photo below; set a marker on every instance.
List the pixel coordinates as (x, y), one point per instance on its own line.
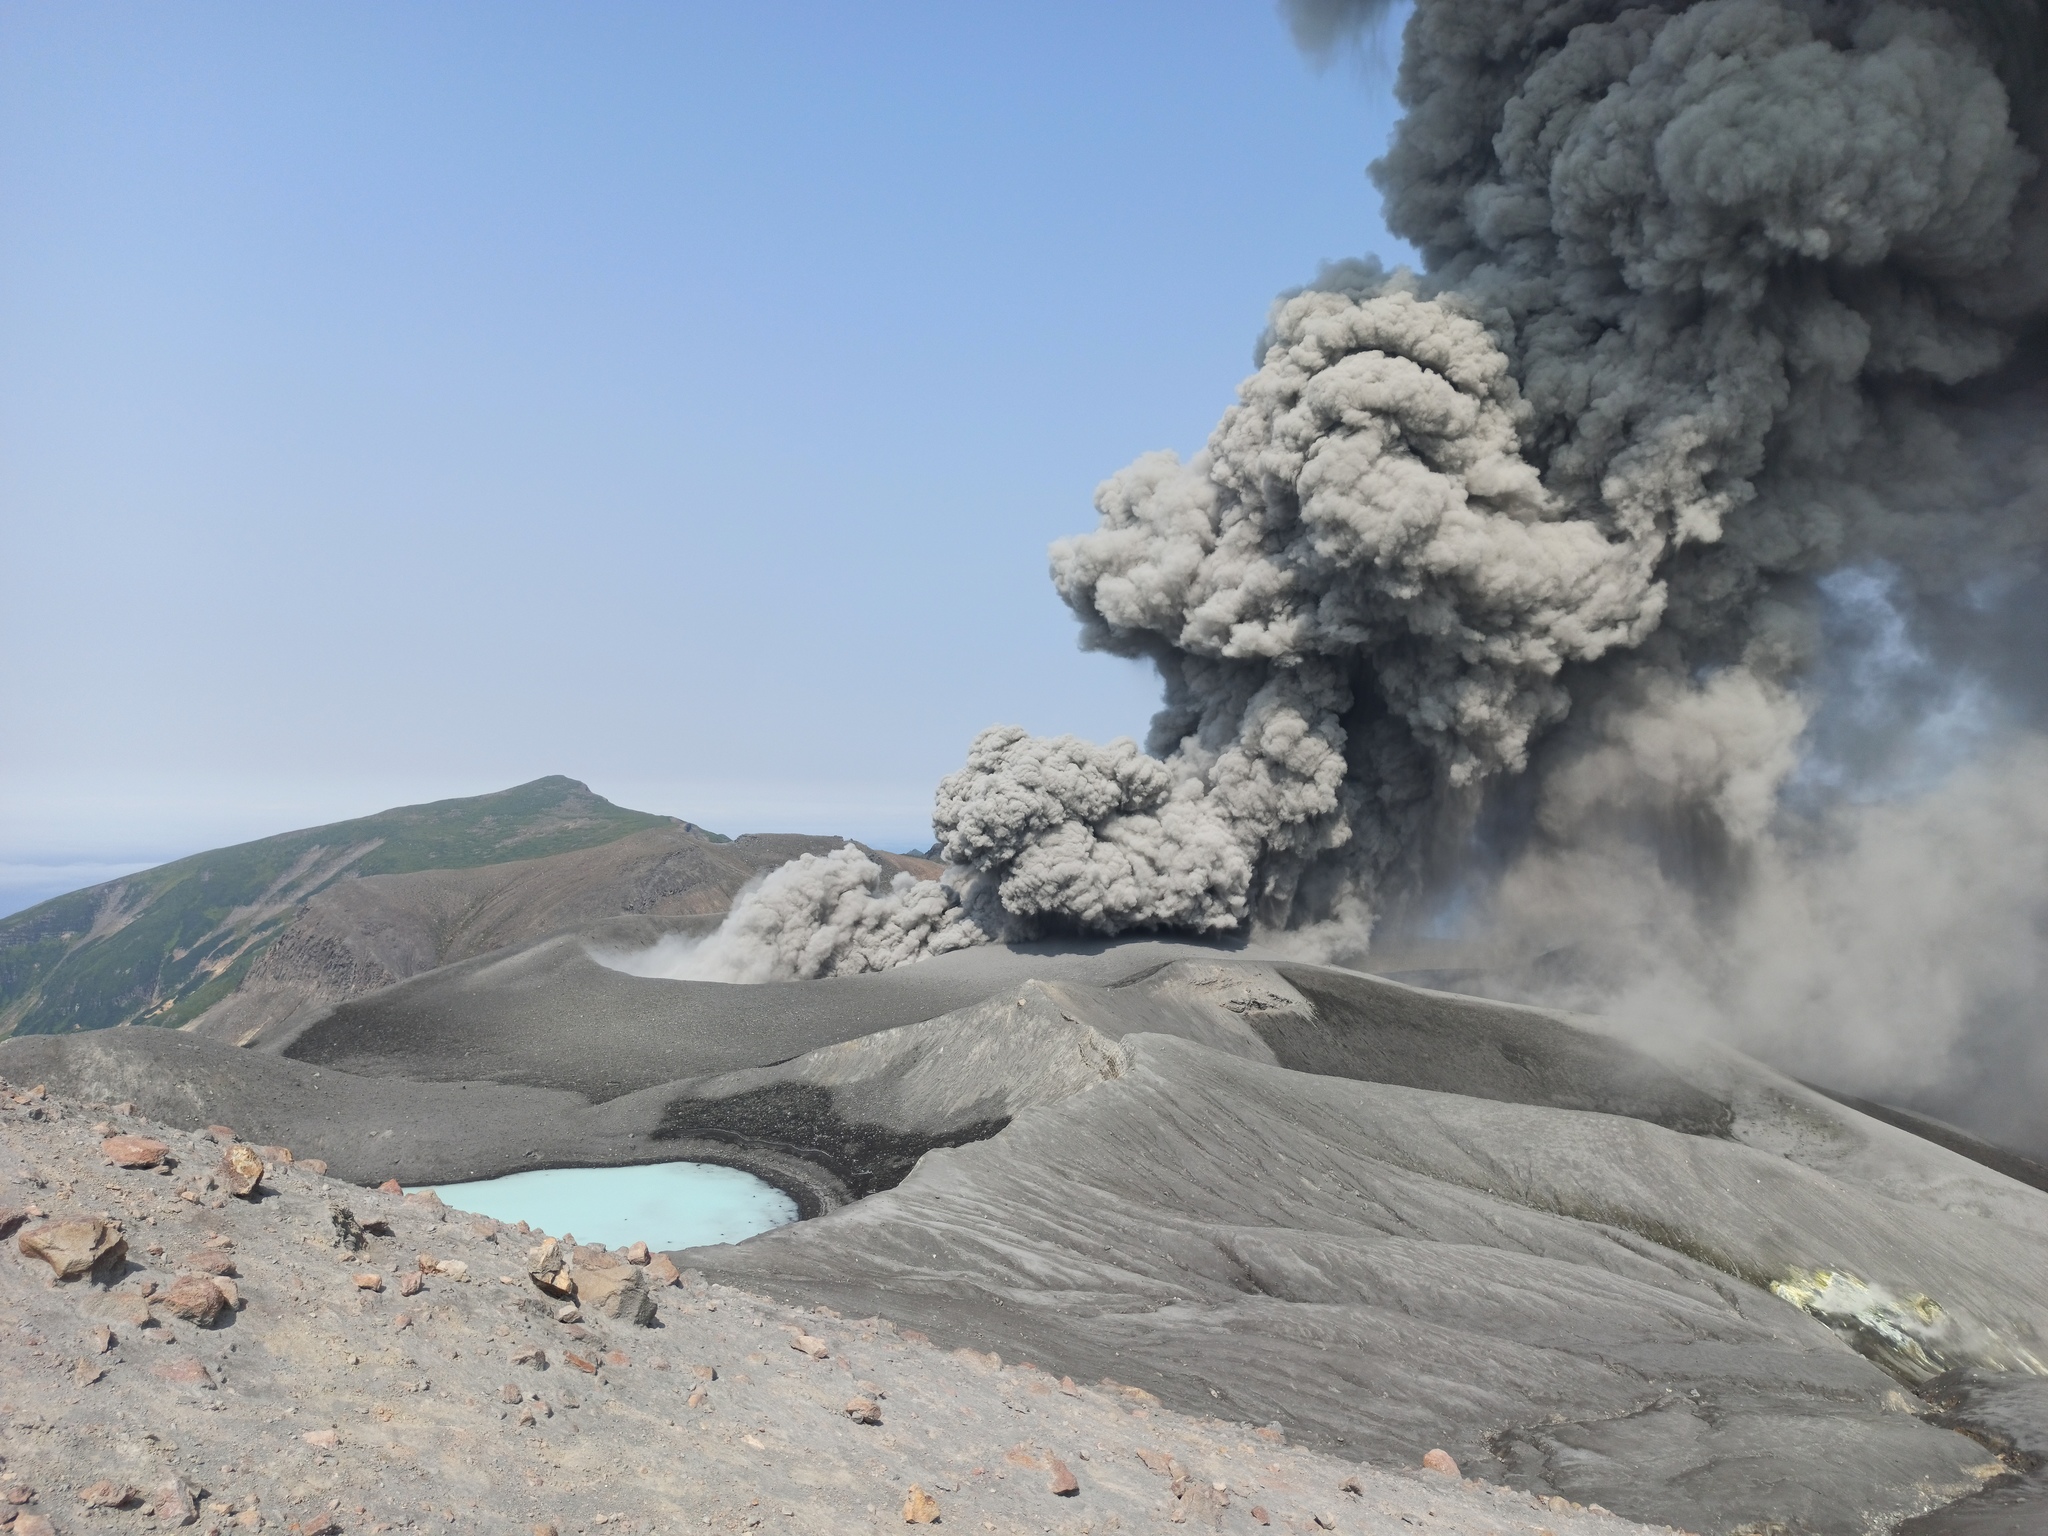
(664, 1205)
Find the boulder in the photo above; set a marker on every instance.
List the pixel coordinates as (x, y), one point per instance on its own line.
(74, 1246)
(134, 1151)
(241, 1171)
(195, 1298)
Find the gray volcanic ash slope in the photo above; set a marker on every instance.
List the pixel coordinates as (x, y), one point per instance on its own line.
(1678, 1285)
(1649, 585)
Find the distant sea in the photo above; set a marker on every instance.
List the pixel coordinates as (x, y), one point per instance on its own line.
(23, 885)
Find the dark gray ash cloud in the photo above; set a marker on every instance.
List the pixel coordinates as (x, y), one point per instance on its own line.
(1505, 580)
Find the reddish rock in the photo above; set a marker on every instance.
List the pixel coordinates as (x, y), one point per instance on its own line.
(173, 1504)
(184, 1371)
(275, 1154)
(920, 1508)
(108, 1494)
(1067, 1386)
(74, 1247)
(241, 1171)
(85, 1373)
(1062, 1481)
(32, 1525)
(803, 1343)
(532, 1354)
(195, 1298)
(313, 1165)
(1440, 1461)
(411, 1283)
(391, 1187)
(617, 1357)
(322, 1439)
(704, 1372)
(134, 1151)
(638, 1254)
(320, 1523)
(220, 1133)
(369, 1280)
(20, 1493)
(863, 1411)
(102, 1339)
(210, 1261)
(580, 1363)
(699, 1397)
(509, 1393)
(1259, 1514)
(661, 1270)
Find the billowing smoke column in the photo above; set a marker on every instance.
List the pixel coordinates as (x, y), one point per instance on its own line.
(1513, 572)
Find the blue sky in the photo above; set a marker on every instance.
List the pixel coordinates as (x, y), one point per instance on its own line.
(404, 401)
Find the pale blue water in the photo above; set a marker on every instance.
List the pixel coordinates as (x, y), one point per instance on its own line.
(664, 1205)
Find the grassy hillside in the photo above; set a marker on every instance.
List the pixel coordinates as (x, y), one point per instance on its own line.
(162, 946)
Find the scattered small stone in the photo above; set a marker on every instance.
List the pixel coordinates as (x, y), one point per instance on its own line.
(76, 1246)
(532, 1354)
(411, 1283)
(510, 1393)
(1062, 1481)
(1259, 1514)
(863, 1411)
(391, 1187)
(125, 1108)
(134, 1151)
(20, 1493)
(10, 1218)
(661, 1271)
(1351, 1484)
(173, 1504)
(804, 1343)
(579, 1362)
(369, 1280)
(85, 1373)
(275, 1154)
(319, 1524)
(920, 1508)
(347, 1230)
(322, 1439)
(567, 1314)
(32, 1525)
(1067, 1386)
(704, 1372)
(102, 1339)
(544, 1530)
(220, 1133)
(638, 1254)
(617, 1357)
(1440, 1461)
(699, 1397)
(241, 1171)
(107, 1494)
(210, 1261)
(185, 1372)
(313, 1165)
(1326, 1522)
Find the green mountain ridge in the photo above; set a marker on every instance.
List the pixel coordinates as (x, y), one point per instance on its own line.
(162, 946)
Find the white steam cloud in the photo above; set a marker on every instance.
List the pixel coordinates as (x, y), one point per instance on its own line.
(1507, 581)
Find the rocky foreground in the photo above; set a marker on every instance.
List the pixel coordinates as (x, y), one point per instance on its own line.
(310, 1356)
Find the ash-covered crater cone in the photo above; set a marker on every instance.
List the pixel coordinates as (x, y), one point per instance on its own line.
(1677, 1284)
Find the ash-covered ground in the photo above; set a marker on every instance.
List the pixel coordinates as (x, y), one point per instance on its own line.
(323, 1398)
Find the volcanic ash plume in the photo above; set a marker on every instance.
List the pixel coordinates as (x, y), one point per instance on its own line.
(1505, 575)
